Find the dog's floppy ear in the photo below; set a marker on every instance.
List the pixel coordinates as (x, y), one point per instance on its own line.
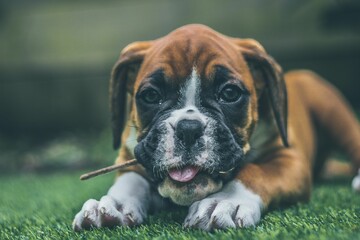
(121, 83)
(268, 76)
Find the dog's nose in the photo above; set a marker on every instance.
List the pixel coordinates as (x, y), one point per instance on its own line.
(188, 131)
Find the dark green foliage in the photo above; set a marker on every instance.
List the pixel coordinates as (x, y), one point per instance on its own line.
(42, 207)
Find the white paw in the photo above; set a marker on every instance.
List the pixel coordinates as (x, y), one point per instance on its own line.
(356, 182)
(108, 213)
(233, 207)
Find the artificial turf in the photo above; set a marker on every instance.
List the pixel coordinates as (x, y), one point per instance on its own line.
(43, 206)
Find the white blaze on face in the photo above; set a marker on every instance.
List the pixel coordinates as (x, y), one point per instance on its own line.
(192, 89)
(190, 99)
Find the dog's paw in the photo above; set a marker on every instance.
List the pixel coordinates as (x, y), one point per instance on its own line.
(108, 213)
(356, 182)
(233, 207)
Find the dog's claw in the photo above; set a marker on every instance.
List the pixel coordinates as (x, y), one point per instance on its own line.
(131, 218)
(240, 222)
(102, 210)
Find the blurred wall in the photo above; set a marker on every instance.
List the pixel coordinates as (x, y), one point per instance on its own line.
(56, 56)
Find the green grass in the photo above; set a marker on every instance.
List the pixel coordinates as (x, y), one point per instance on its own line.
(43, 206)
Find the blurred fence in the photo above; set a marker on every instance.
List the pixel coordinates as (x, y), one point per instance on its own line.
(56, 56)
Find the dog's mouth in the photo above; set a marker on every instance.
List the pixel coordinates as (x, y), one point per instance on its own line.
(188, 184)
(184, 174)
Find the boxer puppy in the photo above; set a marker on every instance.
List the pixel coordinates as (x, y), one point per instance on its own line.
(215, 125)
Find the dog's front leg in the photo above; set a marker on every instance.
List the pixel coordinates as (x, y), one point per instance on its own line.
(286, 176)
(126, 204)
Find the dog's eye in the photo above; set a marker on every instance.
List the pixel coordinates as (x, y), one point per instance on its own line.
(230, 93)
(151, 96)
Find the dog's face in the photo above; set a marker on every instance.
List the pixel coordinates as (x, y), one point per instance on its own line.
(194, 106)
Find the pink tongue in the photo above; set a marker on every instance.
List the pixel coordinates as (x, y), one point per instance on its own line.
(183, 175)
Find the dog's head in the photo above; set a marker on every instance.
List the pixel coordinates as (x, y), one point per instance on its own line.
(194, 101)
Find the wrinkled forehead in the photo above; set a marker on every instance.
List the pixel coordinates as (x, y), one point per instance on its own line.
(177, 58)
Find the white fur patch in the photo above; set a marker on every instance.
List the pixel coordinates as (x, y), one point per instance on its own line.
(132, 185)
(234, 206)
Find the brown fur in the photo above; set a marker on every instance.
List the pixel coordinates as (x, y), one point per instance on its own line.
(277, 173)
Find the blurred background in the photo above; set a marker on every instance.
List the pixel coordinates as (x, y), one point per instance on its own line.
(56, 57)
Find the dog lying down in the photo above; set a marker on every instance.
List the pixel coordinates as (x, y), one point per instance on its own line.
(215, 125)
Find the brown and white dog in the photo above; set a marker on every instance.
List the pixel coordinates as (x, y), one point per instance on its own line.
(216, 126)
